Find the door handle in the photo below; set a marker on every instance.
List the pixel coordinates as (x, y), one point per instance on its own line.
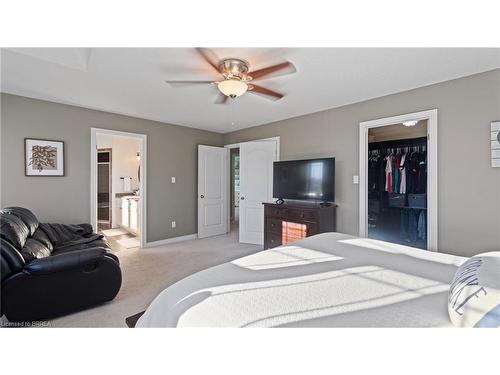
(202, 196)
(242, 198)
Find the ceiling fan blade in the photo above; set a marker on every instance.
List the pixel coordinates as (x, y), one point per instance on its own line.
(221, 99)
(262, 90)
(209, 57)
(258, 74)
(184, 83)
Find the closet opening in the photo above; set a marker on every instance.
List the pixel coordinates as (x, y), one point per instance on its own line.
(397, 183)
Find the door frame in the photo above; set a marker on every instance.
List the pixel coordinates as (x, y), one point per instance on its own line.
(237, 145)
(143, 176)
(432, 170)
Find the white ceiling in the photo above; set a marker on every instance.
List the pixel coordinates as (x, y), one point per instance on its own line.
(130, 81)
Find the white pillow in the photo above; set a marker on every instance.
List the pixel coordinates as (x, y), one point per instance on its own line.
(474, 298)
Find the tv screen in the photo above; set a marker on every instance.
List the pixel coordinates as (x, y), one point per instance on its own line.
(312, 179)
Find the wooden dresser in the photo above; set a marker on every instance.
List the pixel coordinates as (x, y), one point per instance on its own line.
(289, 222)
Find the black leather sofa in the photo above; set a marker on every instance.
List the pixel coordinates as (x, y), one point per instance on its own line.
(49, 270)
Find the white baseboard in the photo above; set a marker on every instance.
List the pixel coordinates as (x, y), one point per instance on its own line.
(172, 240)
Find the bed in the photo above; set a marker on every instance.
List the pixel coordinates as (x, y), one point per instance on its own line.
(327, 280)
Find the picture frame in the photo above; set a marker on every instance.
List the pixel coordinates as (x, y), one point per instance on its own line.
(43, 158)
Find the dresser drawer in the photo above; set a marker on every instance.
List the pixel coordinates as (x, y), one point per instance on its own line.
(273, 240)
(312, 229)
(277, 212)
(303, 215)
(274, 225)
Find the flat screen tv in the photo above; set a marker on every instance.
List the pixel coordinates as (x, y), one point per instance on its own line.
(312, 179)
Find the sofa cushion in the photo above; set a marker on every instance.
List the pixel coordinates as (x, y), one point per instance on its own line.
(34, 250)
(13, 230)
(42, 237)
(28, 218)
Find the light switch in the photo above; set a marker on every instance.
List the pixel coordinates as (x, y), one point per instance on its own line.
(355, 180)
(173, 180)
(174, 224)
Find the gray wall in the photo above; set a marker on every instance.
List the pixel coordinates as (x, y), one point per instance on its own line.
(469, 189)
(172, 151)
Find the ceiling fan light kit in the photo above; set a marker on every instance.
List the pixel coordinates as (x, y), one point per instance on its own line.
(232, 87)
(236, 77)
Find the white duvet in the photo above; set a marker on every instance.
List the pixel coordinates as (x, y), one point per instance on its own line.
(328, 280)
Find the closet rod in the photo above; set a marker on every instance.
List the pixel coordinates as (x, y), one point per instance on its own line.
(399, 143)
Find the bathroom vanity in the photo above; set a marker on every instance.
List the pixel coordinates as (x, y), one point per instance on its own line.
(131, 213)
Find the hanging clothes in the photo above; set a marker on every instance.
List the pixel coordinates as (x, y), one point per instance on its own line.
(397, 173)
(394, 173)
(412, 176)
(412, 226)
(381, 164)
(372, 173)
(388, 174)
(422, 173)
(397, 167)
(422, 225)
(402, 173)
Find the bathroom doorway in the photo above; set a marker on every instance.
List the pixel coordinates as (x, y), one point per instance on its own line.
(118, 178)
(104, 188)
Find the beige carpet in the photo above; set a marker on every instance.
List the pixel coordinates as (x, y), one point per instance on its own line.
(114, 232)
(146, 272)
(129, 243)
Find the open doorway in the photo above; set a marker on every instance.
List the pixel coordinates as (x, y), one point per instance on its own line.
(398, 179)
(104, 188)
(233, 183)
(118, 194)
(397, 183)
(250, 179)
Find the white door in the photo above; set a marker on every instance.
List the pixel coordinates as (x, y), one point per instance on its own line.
(256, 187)
(212, 190)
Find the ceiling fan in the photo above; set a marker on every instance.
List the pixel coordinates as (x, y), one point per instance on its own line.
(237, 78)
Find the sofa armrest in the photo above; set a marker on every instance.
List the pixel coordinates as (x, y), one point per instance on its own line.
(65, 261)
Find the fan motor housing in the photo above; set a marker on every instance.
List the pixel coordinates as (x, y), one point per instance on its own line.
(234, 68)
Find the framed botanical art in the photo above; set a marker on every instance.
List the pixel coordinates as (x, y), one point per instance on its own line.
(43, 157)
